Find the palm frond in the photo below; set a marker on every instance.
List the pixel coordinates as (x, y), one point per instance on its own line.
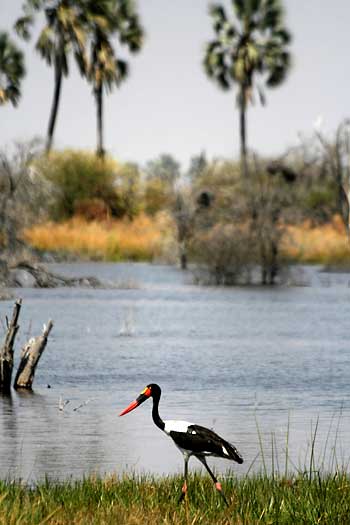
(22, 26)
(213, 59)
(218, 14)
(279, 70)
(65, 15)
(238, 70)
(252, 53)
(82, 62)
(12, 70)
(230, 31)
(223, 81)
(46, 44)
(100, 21)
(36, 4)
(122, 68)
(79, 36)
(239, 8)
(62, 59)
(51, 16)
(13, 94)
(276, 76)
(255, 5)
(213, 47)
(218, 11)
(284, 37)
(131, 34)
(272, 17)
(126, 8)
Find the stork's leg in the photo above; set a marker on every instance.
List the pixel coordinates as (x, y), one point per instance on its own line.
(216, 482)
(184, 486)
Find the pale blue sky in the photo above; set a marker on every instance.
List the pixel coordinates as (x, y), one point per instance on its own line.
(169, 105)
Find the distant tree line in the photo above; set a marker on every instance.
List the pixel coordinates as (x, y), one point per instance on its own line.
(221, 224)
(229, 217)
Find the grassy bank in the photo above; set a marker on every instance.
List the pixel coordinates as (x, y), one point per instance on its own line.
(147, 500)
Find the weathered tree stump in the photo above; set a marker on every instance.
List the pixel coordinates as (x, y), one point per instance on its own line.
(6, 351)
(30, 355)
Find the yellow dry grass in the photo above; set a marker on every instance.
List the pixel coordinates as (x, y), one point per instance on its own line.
(326, 244)
(145, 239)
(140, 239)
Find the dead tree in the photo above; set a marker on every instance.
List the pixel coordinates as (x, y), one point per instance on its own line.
(336, 157)
(30, 355)
(183, 215)
(6, 351)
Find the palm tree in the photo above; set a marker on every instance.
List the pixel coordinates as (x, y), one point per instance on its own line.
(11, 70)
(63, 32)
(107, 18)
(254, 43)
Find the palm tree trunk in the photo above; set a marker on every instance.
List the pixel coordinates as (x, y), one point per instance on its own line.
(99, 106)
(54, 107)
(243, 132)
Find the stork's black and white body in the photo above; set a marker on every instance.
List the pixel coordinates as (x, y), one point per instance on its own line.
(191, 439)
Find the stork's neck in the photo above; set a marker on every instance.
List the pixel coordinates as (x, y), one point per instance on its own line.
(155, 414)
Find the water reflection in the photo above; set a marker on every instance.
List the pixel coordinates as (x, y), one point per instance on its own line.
(9, 432)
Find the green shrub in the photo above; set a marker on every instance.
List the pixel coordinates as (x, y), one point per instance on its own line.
(158, 196)
(319, 202)
(79, 180)
(129, 188)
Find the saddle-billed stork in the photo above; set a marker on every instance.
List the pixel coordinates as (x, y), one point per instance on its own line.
(192, 440)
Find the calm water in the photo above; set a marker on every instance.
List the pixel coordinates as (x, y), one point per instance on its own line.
(230, 359)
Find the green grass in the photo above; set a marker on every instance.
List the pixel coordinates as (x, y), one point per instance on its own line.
(147, 500)
(317, 492)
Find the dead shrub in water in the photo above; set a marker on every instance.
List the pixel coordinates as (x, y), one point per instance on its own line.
(242, 229)
(225, 250)
(270, 198)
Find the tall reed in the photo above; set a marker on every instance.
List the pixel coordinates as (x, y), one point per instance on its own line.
(147, 238)
(137, 240)
(325, 244)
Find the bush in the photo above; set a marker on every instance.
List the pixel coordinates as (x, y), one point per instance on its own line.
(79, 180)
(320, 201)
(158, 196)
(129, 189)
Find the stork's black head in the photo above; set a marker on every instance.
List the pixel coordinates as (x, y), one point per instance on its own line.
(155, 390)
(151, 390)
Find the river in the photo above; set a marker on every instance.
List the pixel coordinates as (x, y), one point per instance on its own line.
(267, 368)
